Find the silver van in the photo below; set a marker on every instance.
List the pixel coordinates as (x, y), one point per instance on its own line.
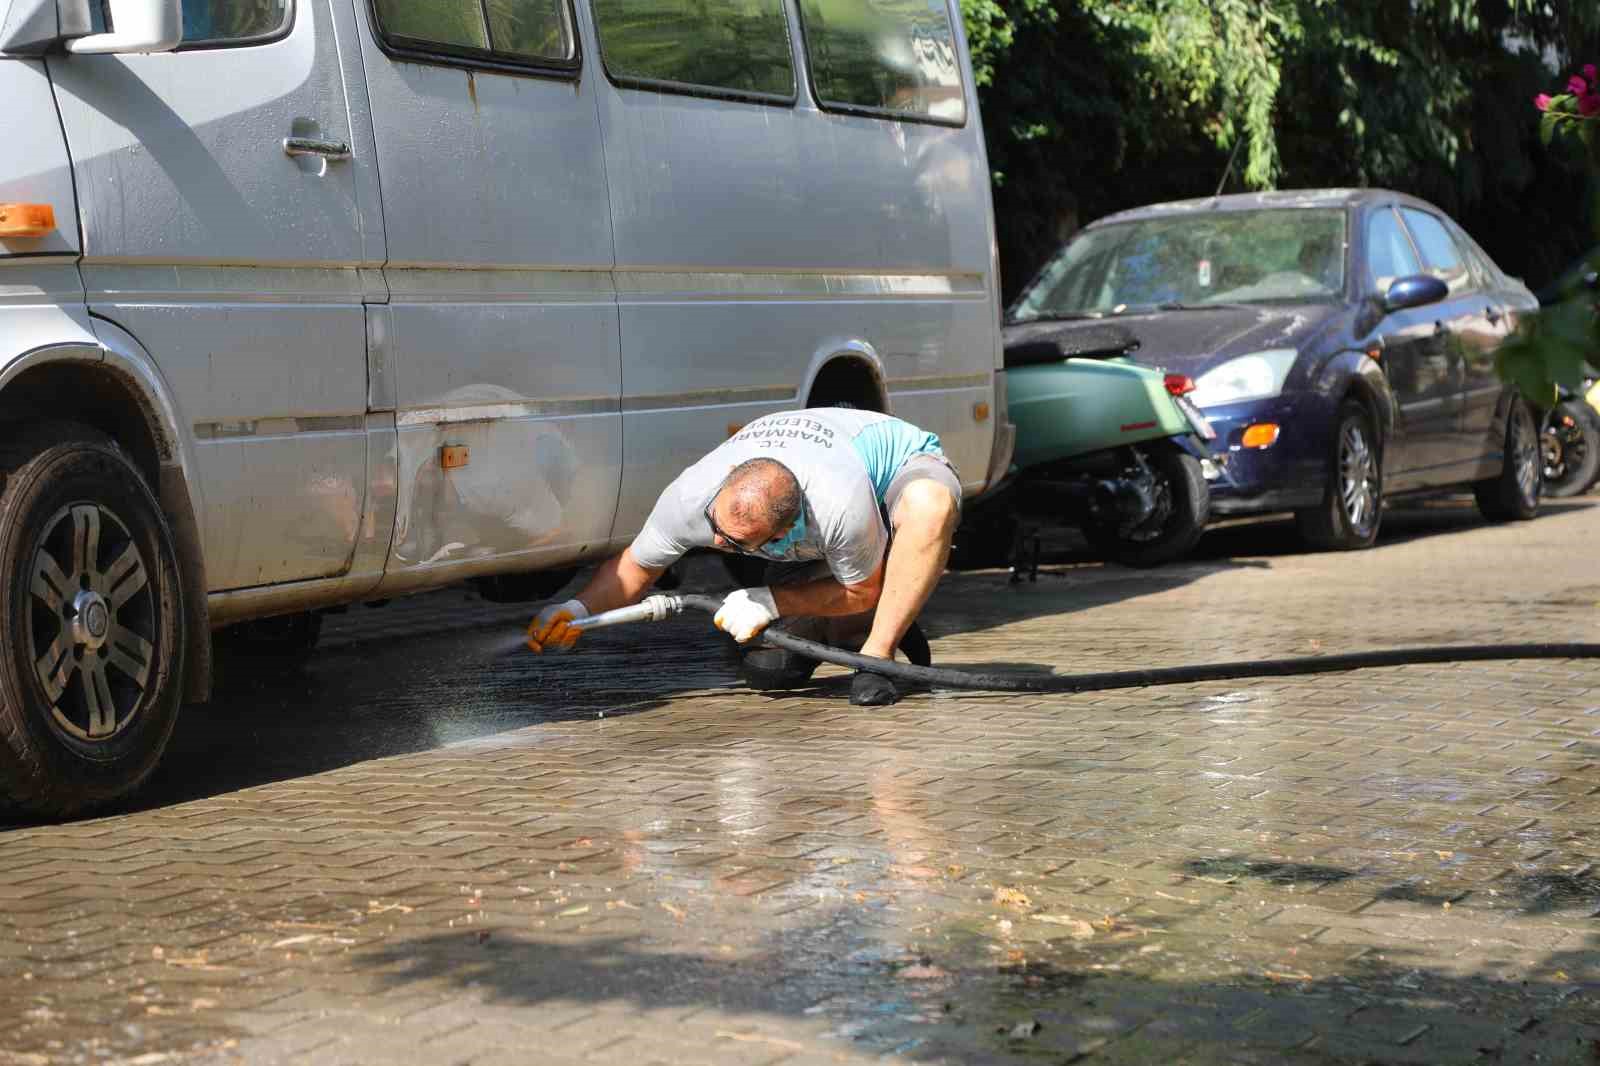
(306, 302)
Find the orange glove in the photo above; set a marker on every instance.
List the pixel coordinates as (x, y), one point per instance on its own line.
(554, 627)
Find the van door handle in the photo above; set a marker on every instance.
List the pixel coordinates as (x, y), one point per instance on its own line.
(297, 146)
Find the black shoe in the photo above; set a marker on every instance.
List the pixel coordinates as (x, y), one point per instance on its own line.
(775, 668)
(872, 690)
(915, 645)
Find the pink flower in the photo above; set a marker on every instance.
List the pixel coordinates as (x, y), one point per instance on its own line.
(1577, 86)
(1589, 104)
(1542, 101)
(1591, 73)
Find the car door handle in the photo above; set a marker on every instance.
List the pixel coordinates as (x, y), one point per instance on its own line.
(297, 146)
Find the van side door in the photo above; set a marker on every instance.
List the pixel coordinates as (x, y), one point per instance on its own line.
(220, 192)
(502, 319)
(792, 184)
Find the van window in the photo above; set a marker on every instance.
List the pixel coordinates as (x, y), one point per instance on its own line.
(224, 21)
(537, 31)
(895, 57)
(736, 47)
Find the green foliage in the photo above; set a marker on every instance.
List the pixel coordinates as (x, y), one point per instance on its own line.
(1551, 349)
(1091, 106)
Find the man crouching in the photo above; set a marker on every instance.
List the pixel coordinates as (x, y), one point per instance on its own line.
(868, 500)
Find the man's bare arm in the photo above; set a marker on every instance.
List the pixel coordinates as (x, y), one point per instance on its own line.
(828, 598)
(618, 581)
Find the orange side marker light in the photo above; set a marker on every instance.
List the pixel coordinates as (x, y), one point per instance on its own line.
(454, 456)
(1260, 435)
(27, 220)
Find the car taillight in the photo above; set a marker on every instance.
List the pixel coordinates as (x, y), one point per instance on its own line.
(1179, 384)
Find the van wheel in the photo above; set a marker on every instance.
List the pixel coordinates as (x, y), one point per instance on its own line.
(1513, 494)
(1352, 503)
(90, 601)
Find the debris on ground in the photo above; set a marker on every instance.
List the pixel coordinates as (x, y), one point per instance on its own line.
(1010, 896)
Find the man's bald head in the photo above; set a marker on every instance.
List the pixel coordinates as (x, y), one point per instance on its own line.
(759, 501)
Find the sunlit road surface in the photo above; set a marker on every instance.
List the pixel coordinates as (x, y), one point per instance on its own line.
(424, 844)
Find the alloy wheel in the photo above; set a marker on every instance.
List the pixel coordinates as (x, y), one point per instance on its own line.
(1526, 454)
(91, 623)
(1358, 478)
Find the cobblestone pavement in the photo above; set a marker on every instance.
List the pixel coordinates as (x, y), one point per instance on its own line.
(423, 845)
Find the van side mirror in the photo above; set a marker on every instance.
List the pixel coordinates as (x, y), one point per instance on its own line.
(1417, 290)
(136, 26)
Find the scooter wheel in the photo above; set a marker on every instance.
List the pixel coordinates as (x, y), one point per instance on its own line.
(1188, 508)
(1571, 444)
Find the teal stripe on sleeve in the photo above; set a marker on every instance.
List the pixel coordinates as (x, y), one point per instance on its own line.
(885, 446)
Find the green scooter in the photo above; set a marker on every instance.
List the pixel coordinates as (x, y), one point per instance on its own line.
(1103, 444)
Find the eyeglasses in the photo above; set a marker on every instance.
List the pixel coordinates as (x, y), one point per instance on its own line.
(718, 531)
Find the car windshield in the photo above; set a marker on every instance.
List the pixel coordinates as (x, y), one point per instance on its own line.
(1215, 258)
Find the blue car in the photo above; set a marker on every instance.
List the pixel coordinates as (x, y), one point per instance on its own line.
(1341, 341)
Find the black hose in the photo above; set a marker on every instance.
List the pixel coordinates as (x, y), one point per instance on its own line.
(1169, 675)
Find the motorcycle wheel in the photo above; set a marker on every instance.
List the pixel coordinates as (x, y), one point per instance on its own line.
(1571, 444)
(1185, 503)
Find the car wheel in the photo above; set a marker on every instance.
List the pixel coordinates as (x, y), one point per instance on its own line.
(1352, 502)
(1183, 506)
(1513, 494)
(1571, 445)
(91, 603)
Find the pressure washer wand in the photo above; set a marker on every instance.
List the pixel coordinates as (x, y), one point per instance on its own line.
(655, 608)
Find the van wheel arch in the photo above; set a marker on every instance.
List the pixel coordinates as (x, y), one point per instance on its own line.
(848, 381)
(94, 394)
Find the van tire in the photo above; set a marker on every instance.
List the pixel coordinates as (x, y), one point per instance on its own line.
(91, 677)
(1513, 494)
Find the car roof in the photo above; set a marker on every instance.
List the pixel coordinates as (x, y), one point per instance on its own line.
(1286, 199)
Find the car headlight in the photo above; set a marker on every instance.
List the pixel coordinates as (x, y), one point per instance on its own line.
(1249, 377)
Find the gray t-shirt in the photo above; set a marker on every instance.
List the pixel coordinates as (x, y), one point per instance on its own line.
(844, 461)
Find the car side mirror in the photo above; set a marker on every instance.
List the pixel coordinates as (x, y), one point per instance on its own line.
(1417, 290)
(136, 26)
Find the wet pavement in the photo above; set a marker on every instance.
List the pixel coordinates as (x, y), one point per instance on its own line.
(422, 844)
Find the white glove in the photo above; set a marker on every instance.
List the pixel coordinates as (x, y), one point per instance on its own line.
(745, 613)
(552, 629)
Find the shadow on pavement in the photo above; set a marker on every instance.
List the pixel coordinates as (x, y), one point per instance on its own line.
(1404, 520)
(1276, 873)
(1135, 999)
